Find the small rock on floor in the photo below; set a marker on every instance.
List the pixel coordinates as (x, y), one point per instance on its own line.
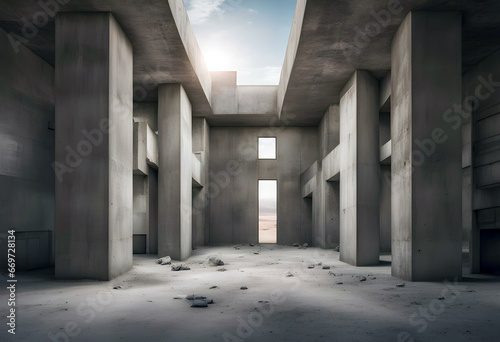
(296, 245)
(199, 304)
(325, 267)
(195, 297)
(289, 274)
(164, 261)
(310, 266)
(214, 261)
(180, 268)
(117, 287)
(221, 269)
(362, 279)
(213, 287)
(180, 297)
(243, 288)
(339, 283)
(305, 245)
(255, 252)
(337, 249)
(400, 285)
(441, 298)
(251, 244)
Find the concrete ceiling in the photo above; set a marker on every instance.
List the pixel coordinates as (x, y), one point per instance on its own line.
(165, 48)
(318, 66)
(320, 56)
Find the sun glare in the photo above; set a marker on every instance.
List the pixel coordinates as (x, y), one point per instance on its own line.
(219, 61)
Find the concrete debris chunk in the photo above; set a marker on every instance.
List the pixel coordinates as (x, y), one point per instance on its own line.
(362, 279)
(337, 249)
(199, 304)
(325, 267)
(400, 285)
(310, 266)
(180, 297)
(214, 261)
(195, 297)
(305, 245)
(296, 245)
(221, 269)
(243, 288)
(164, 261)
(288, 274)
(180, 268)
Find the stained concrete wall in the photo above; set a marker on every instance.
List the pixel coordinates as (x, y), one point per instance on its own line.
(26, 154)
(359, 171)
(174, 172)
(481, 94)
(234, 174)
(426, 179)
(94, 200)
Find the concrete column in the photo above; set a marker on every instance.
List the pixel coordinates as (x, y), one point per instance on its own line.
(426, 151)
(359, 171)
(93, 158)
(174, 172)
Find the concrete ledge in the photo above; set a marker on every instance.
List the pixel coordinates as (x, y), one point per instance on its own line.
(197, 173)
(309, 188)
(385, 153)
(331, 165)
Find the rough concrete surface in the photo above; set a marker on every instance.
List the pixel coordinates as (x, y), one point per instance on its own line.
(311, 305)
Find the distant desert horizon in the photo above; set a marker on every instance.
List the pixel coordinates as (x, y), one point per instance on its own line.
(267, 229)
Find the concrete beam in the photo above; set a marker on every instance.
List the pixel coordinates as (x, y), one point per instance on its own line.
(94, 128)
(426, 151)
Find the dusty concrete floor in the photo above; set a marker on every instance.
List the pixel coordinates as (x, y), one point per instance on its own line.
(310, 306)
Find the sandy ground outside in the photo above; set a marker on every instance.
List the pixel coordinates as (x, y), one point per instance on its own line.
(312, 305)
(267, 229)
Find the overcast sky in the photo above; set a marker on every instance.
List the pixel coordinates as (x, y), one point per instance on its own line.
(249, 36)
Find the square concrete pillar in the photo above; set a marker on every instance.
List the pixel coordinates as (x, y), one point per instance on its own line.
(426, 150)
(93, 157)
(359, 171)
(174, 172)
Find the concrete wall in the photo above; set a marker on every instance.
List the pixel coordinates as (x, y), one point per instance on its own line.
(234, 174)
(94, 202)
(481, 151)
(26, 153)
(426, 152)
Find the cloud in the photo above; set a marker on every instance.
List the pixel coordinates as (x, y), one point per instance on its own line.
(200, 10)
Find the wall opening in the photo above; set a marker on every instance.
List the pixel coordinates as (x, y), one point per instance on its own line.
(268, 215)
(267, 148)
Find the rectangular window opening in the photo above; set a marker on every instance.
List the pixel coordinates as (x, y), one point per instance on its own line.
(268, 215)
(267, 148)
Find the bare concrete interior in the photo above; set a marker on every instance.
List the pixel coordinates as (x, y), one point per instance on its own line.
(119, 147)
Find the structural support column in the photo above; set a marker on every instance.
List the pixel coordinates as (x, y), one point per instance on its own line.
(426, 151)
(174, 172)
(359, 171)
(93, 166)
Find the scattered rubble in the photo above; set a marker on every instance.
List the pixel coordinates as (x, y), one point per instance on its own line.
(180, 268)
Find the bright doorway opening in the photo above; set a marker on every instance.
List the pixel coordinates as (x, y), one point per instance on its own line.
(268, 215)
